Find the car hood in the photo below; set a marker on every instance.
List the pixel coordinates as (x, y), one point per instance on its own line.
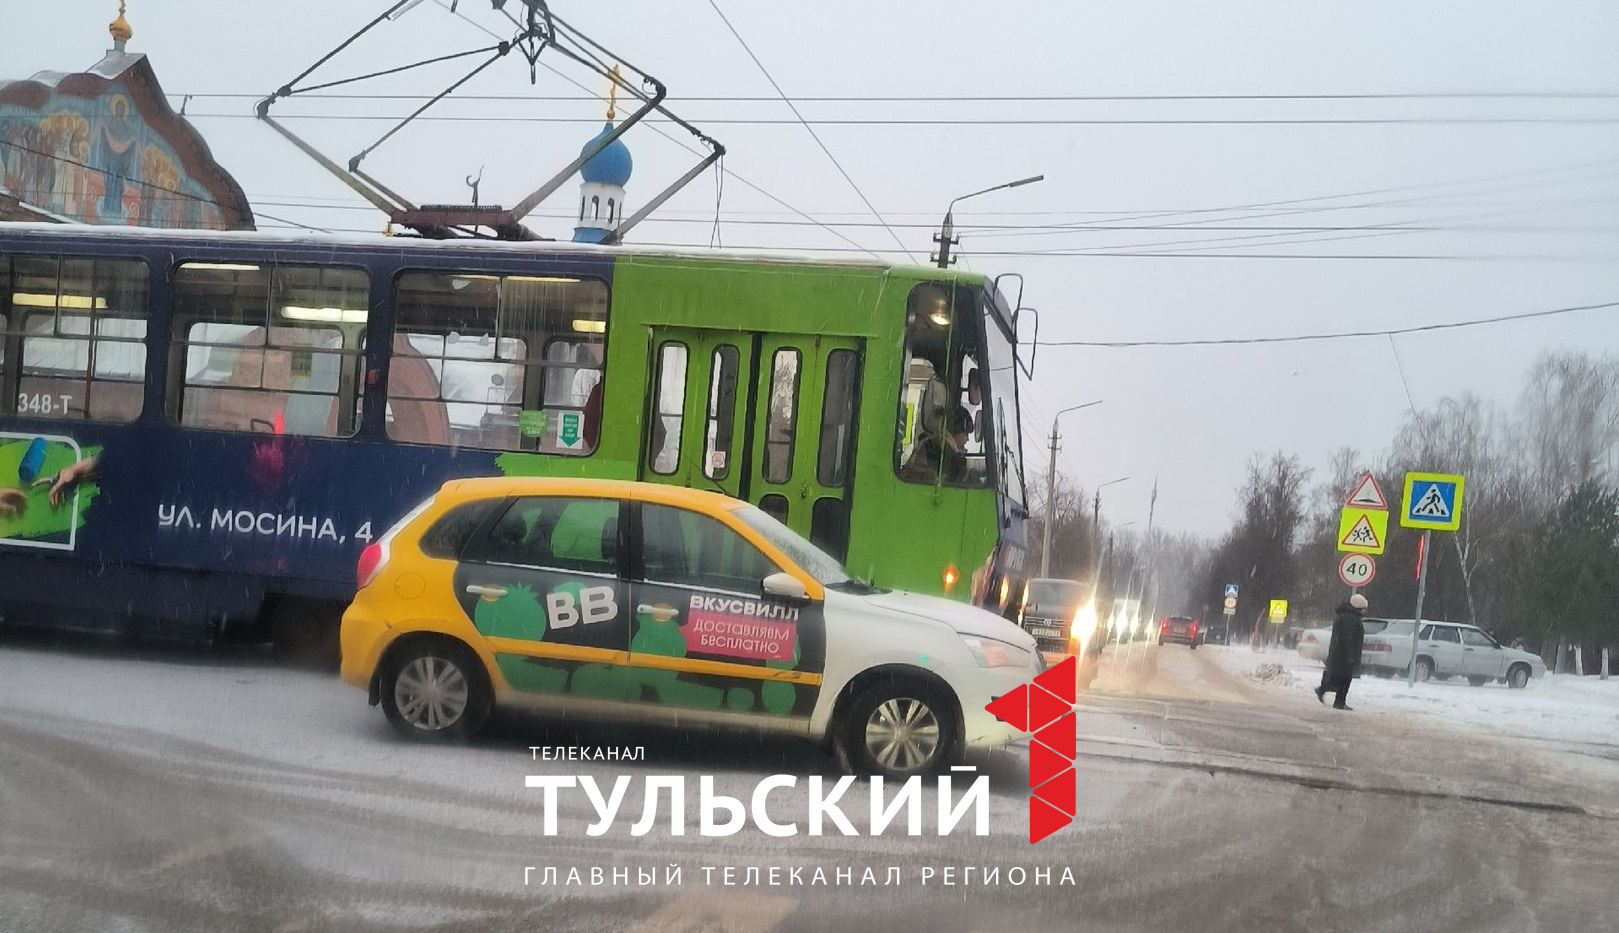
(1517, 654)
(965, 619)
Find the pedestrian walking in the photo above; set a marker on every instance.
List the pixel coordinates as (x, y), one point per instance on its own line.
(1343, 655)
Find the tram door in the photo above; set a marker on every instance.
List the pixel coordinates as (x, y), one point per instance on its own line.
(768, 418)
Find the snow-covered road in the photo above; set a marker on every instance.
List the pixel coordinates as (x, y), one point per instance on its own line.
(164, 791)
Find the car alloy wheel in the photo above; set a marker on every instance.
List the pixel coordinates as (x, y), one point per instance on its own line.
(903, 734)
(1424, 670)
(431, 693)
(435, 690)
(900, 728)
(1518, 677)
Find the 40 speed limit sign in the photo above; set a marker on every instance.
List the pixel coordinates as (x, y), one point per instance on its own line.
(1356, 569)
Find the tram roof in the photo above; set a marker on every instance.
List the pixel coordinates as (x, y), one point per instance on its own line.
(314, 239)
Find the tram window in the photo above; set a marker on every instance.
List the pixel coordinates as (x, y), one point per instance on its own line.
(940, 398)
(829, 526)
(837, 419)
(669, 418)
(782, 422)
(721, 426)
(81, 328)
(269, 349)
(498, 362)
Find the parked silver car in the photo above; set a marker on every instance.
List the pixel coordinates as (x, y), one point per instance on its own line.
(1313, 643)
(1451, 649)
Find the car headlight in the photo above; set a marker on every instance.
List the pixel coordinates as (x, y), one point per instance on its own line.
(1083, 627)
(991, 652)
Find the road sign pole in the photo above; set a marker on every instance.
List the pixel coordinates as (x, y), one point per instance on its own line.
(1416, 620)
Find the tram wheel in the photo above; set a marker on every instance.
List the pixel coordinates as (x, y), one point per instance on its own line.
(304, 632)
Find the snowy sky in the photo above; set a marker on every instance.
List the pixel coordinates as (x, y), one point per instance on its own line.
(1511, 217)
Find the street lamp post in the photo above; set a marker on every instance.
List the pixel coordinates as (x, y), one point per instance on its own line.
(1051, 484)
(1096, 519)
(946, 237)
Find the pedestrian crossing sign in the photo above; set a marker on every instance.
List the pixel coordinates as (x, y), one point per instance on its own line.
(1433, 501)
(1363, 531)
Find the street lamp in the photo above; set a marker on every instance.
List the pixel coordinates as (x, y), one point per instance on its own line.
(1096, 520)
(1051, 474)
(946, 237)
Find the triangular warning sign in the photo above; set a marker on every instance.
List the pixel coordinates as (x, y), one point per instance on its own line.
(1361, 534)
(1367, 495)
(1432, 505)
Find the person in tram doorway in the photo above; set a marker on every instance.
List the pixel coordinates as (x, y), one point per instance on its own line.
(1343, 655)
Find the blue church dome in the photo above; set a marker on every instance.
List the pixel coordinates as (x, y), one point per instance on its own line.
(611, 166)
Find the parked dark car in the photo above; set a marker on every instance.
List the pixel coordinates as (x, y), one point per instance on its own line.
(1182, 630)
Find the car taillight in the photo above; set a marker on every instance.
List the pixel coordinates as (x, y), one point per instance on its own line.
(371, 561)
(1194, 628)
(1164, 627)
(1377, 646)
(1311, 639)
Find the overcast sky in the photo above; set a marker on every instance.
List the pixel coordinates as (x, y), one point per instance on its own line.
(1513, 216)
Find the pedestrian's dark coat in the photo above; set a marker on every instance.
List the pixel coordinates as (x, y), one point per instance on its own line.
(1348, 635)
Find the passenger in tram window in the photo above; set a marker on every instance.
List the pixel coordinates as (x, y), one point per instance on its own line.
(943, 454)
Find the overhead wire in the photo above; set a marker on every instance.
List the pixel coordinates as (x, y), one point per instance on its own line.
(1336, 335)
(678, 142)
(810, 129)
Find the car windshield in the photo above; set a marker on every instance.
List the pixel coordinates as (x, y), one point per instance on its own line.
(816, 562)
(1057, 593)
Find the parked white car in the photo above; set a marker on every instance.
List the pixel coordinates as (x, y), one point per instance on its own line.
(1314, 642)
(1450, 649)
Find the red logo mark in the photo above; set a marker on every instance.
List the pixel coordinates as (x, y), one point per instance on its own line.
(1045, 707)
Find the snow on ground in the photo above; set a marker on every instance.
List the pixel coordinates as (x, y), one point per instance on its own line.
(1560, 707)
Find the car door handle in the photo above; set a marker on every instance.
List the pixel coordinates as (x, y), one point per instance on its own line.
(478, 589)
(1467, 649)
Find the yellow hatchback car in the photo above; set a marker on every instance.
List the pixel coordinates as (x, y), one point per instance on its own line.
(646, 602)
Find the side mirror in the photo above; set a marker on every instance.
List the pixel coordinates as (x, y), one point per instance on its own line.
(786, 586)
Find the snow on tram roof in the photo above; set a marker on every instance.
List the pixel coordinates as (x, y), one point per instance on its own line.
(373, 241)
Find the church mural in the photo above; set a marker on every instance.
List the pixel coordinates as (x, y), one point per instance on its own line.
(95, 160)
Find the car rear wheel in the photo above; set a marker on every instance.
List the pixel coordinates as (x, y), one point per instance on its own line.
(1518, 677)
(1424, 670)
(435, 691)
(1477, 681)
(900, 728)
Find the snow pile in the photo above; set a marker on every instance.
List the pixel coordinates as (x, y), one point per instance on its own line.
(1273, 674)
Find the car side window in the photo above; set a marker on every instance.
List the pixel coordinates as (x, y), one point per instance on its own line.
(1476, 639)
(1448, 634)
(558, 533)
(688, 548)
(449, 535)
(1426, 634)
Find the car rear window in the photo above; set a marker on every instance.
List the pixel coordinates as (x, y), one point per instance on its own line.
(448, 536)
(1374, 626)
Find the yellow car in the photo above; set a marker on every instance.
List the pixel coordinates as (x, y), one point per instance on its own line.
(646, 602)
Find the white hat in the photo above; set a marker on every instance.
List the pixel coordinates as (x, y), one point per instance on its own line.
(1357, 601)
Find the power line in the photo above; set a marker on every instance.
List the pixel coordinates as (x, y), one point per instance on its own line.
(975, 98)
(973, 121)
(680, 143)
(1341, 335)
(810, 129)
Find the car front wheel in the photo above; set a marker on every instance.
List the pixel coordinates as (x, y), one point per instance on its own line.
(900, 728)
(1518, 677)
(435, 691)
